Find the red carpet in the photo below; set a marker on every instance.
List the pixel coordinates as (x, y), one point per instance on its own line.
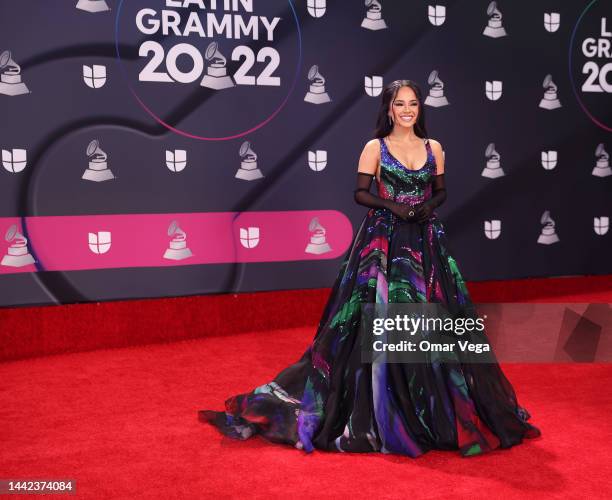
(123, 423)
(36, 331)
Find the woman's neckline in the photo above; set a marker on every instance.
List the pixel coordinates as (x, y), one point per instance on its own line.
(425, 141)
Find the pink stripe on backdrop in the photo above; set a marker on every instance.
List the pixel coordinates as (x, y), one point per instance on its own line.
(61, 243)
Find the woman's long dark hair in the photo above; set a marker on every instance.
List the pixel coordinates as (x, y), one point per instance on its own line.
(383, 127)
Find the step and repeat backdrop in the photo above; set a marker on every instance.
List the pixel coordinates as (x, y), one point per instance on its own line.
(177, 147)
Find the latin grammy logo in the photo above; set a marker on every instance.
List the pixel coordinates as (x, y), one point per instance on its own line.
(92, 6)
(436, 14)
(316, 92)
(492, 229)
(177, 249)
(94, 76)
(249, 237)
(14, 160)
(373, 85)
(98, 170)
(548, 159)
(494, 28)
(216, 76)
(601, 225)
(316, 8)
(493, 167)
(493, 89)
(248, 170)
(552, 21)
(436, 97)
(10, 76)
(373, 19)
(602, 166)
(548, 235)
(550, 99)
(99, 242)
(17, 255)
(318, 243)
(176, 160)
(317, 160)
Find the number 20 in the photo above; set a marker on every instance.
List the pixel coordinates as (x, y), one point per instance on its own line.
(590, 85)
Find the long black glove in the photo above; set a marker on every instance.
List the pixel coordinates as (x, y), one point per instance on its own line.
(364, 197)
(438, 196)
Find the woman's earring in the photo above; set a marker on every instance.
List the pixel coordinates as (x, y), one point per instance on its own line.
(390, 120)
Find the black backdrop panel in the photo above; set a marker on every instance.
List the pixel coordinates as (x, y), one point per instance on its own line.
(76, 71)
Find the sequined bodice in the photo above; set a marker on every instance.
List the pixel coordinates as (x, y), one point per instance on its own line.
(401, 184)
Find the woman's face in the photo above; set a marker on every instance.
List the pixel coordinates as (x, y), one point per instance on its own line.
(404, 109)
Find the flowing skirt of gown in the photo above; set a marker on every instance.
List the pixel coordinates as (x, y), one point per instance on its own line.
(330, 400)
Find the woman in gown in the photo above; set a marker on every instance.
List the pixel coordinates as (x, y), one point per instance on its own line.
(329, 399)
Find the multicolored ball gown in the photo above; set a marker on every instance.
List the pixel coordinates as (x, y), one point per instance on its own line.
(330, 400)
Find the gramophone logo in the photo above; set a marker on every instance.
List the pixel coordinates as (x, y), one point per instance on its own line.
(14, 160)
(316, 8)
(550, 99)
(373, 19)
(216, 72)
(97, 170)
(436, 14)
(602, 165)
(317, 160)
(493, 168)
(92, 6)
(10, 76)
(316, 91)
(177, 249)
(176, 160)
(94, 76)
(549, 159)
(249, 236)
(493, 89)
(589, 61)
(318, 242)
(492, 229)
(548, 235)
(373, 85)
(436, 97)
(552, 21)
(494, 28)
(99, 242)
(601, 225)
(17, 255)
(220, 55)
(248, 170)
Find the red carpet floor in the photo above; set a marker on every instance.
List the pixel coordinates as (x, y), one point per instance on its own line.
(38, 331)
(123, 423)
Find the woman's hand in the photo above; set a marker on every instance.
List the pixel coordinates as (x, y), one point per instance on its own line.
(423, 212)
(404, 211)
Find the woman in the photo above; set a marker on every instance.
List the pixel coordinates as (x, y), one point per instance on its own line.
(329, 399)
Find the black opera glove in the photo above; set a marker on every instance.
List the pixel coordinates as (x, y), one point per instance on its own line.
(364, 197)
(438, 196)
(362, 194)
